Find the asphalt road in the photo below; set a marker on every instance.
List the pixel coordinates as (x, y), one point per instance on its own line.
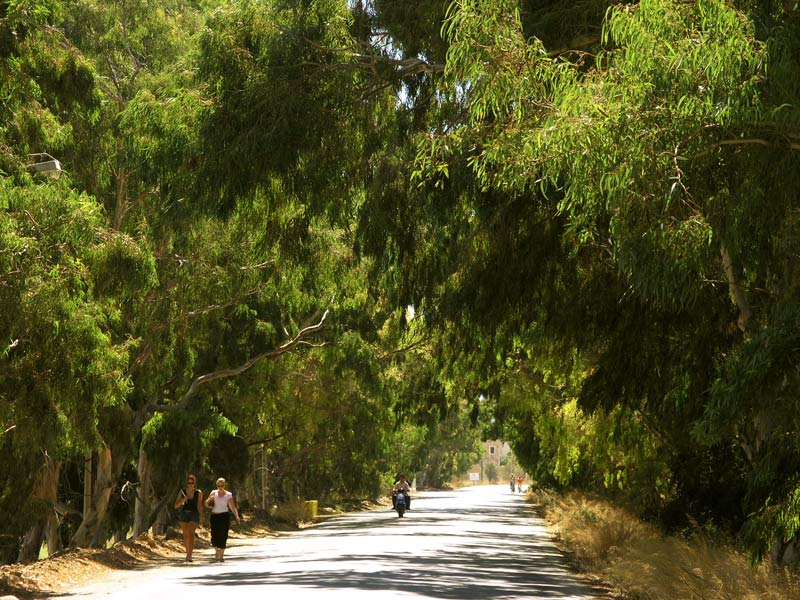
(479, 542)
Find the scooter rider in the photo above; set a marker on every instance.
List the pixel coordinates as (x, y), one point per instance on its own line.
(402, 487)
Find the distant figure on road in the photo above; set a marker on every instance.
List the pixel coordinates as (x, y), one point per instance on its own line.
(222, 506)
(520, 479)
(402, 487)
(513, 482)
(190, 503)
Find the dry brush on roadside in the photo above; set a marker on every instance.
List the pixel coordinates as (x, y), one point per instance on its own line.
(644, 564)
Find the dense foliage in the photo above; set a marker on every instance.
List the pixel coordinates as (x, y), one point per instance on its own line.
(308, 244)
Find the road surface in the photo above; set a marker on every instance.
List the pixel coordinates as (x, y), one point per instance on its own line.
(478, 542)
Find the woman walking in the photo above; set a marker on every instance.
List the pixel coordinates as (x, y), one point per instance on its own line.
(190, 503)
(222, 506)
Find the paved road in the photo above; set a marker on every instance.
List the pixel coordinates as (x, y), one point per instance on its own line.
(480, 542)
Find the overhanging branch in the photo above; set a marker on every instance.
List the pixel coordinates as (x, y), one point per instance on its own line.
(396, 351)
(297, 340)
(749, 142)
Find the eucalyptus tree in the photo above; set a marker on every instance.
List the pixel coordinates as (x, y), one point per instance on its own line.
(136, 48)
(65, 353)
(199, 291)
(237, 232)
(650, 182)
(139, 52)
(47, 86)
(63, 371)
(65, 67)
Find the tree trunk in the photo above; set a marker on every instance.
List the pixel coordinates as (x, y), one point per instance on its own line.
(121, 198)
(53, 534)
(144, 495)
(736, 288)
(90, 532)
(31, 544)
(263, 469)
(45, 493)
(149, 509)
(87, 483)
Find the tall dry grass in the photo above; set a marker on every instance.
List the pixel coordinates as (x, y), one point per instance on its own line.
(641, 562)
(290, 512)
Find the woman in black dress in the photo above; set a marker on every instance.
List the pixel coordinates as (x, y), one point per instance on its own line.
(190, 505)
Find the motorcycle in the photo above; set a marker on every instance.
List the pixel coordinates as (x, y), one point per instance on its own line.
(399, 501)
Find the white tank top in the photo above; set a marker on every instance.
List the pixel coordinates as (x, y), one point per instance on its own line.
(221, 503)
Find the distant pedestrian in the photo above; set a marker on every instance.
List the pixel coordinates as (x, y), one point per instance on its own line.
(520, 479)
(190, 505)
(222, 506)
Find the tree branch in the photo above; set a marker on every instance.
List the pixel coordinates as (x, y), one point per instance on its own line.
(267, 440)
(397, 351)
(206, 309)
(403, 67)
(747, 142)
(287, 346)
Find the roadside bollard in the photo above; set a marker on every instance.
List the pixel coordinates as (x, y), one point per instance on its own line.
(311, 507)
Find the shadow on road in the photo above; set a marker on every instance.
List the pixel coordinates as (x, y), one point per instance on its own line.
(448, 575)
(454, 553)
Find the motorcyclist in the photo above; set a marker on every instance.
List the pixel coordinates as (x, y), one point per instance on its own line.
(402, 487)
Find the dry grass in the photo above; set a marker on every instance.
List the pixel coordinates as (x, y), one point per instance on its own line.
(290, 512)
(644, 564)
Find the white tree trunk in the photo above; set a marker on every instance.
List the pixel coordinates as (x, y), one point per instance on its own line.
(90, 532)
(144, 495)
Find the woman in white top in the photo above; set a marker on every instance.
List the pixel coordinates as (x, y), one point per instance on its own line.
(222, 506)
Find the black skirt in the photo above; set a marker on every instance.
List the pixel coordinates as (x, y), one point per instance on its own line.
(189, 516)
(220, 523)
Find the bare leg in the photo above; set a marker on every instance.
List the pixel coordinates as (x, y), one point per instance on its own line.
(186, 542)
(188, 538)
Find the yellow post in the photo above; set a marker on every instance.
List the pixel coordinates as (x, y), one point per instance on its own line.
(311, 507)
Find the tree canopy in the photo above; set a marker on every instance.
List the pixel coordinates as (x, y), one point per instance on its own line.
(330, 240)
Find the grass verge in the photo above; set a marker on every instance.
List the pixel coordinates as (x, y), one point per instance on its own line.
(643, 564)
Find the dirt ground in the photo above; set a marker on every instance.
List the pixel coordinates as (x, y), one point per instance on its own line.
(74, 567)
